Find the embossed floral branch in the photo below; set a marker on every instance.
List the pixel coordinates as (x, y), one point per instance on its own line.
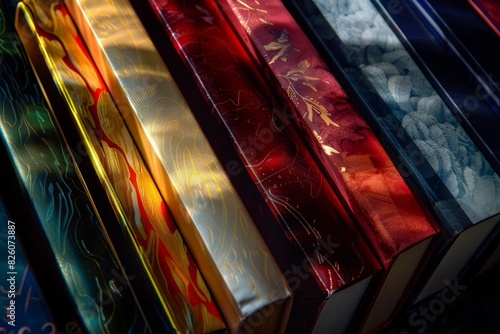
(296, 75)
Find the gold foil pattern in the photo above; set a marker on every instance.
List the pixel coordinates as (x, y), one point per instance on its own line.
(157, 241)
(235, 261)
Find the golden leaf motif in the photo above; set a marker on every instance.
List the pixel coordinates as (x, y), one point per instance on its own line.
(248, 7)
(310, 85)
(273, 46)
(298, 74)
(327, 149)
(315, 106)
(281, 46)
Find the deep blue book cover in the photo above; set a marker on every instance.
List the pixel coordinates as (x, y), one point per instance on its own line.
(465, 98)
(469, 39)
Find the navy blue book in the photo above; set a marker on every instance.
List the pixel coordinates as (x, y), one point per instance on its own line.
(469, 39)
(465, 98)
(460, 88)
(424, 138)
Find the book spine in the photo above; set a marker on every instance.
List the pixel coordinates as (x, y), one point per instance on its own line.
(465, 98)
(243, 277)
(130, 188)
(356, 162)
(271, 149)
(453, 31)
(49, 177)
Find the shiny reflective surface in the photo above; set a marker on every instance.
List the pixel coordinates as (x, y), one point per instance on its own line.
(50, 180)
(432, 140)
(274, 154)
(355, 159)
(235, 262)
(388, 213)
(428, 144)
(135, 198)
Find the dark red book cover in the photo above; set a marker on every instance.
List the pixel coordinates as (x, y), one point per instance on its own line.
(356, 163)
(333, 255)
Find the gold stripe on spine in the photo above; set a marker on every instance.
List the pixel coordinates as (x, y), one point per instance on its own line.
(232, 256)
(133, 194)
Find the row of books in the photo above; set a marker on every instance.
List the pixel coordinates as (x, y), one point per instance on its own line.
(246, 166)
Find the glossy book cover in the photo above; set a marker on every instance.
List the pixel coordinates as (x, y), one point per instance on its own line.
(275, 156)
(388, 212)
(465, 99)
(425, 140)
(457, 27)
(49, 178)
(51, 36)
(234, 260)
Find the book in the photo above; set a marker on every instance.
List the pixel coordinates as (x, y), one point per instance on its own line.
(50, 37)
(456, 25)
(274, 154)
(464, 98)
(394, 221)
(85, 266)
(244, 279)
(426, 142)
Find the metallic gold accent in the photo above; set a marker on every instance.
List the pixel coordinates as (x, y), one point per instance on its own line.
(132, 192)
(298, 75)
(232, 255)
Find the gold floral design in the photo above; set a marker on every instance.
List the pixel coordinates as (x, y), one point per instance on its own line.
(298, 75)
(124, 175)
(281, 46)
(328, 149)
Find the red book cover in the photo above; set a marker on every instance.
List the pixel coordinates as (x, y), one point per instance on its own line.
(399, 229)
(334, 266)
